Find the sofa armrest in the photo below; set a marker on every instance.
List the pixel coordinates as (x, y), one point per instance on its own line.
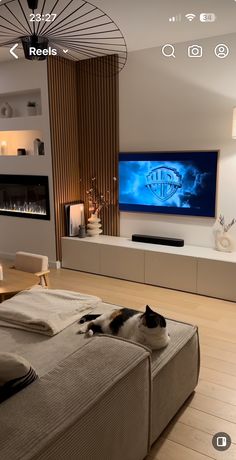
(94, 404)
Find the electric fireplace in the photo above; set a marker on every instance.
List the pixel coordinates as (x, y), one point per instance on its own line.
(24, 196)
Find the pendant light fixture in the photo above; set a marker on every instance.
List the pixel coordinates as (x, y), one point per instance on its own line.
(76, 29)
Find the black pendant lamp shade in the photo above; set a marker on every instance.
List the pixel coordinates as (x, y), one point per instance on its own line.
(32, 4)
(34, 41)
(37, 42)
(76, 29)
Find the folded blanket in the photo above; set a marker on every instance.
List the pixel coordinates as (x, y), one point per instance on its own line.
(45, 311)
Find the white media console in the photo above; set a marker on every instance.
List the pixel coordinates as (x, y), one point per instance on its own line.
(193, 269)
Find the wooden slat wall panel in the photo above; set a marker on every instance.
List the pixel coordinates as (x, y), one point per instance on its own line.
(63, 105)
(99, 132)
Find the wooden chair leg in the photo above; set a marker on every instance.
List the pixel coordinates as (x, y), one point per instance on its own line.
(43, 281)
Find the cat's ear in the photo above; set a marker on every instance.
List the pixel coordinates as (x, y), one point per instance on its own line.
(148, 310)
(162, 321)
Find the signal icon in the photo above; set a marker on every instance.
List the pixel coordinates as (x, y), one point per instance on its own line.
(176, 18)
(190, 16)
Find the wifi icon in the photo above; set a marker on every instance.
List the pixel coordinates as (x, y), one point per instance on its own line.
(190, 16)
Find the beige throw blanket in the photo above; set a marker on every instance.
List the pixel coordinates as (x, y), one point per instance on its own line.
(45, 311)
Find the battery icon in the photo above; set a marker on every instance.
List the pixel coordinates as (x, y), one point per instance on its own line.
(207, 17)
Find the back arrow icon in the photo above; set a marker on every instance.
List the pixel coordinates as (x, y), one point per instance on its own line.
(12, 51)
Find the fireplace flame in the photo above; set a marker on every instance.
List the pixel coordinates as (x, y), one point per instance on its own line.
(26, 208)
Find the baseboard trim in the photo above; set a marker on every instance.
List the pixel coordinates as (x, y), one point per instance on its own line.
(7, 255)
(56, 264)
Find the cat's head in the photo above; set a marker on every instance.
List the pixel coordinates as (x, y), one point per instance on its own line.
(151, 319)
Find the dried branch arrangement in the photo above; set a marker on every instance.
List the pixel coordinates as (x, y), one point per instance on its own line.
(225, 226)
(99, 200)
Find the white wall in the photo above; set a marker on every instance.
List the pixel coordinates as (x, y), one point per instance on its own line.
(28, 234)
(181, 104)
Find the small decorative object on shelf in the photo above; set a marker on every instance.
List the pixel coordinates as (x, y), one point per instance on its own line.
(3, 148)
(1, 272)
(38, 147)
(31, 109)
(6, 110)
(223, 241)
(94, 227)
(74, 213)
(97, 201)
(82, 231)
(21, 152)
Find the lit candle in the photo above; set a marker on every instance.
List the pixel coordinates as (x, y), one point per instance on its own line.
(1, 273)
(3, 148)
(82, 214)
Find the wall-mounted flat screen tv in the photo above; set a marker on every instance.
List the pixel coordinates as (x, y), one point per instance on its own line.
(169, 183)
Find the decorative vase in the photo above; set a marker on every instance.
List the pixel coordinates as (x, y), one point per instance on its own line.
(94, 227)
(223, 241)
(6, 110)
(38, 147)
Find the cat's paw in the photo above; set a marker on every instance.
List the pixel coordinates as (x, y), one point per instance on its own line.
(82, 329)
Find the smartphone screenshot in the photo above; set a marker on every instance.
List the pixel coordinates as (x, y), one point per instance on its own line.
(117, 229)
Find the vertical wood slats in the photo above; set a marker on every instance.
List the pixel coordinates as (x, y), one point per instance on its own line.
(62, 87)
(99, 133)
(83, 103)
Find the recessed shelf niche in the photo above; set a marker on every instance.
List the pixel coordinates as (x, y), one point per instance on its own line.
(11, 141)
(18, 102)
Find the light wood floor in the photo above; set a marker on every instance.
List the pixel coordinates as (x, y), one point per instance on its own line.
(212, 408)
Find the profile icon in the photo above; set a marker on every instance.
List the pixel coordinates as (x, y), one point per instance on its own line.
(221, 51)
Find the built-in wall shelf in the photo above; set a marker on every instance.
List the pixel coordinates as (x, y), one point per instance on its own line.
(12, 141)
(190, 268)
(12, 160)
(18, 102)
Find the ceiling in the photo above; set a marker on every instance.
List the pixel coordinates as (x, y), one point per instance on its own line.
(145, 23)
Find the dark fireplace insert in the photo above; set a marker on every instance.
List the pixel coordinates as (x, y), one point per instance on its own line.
(24, 196)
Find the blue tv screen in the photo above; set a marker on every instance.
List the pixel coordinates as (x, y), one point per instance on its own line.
(169, 183)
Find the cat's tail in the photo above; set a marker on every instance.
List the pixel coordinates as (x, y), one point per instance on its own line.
(88, 317)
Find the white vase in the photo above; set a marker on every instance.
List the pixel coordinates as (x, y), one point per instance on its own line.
(94, 227)
(6, 110)
(223, 241)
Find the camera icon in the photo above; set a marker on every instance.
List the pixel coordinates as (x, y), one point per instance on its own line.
(195, 51)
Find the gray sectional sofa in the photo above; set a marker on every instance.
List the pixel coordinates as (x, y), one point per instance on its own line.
(101, 398)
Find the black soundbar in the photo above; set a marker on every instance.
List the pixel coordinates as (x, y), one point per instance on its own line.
(158, 240)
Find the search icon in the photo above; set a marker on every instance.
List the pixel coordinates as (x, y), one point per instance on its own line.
(168, 50)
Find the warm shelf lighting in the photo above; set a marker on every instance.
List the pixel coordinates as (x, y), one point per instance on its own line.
(234, 124)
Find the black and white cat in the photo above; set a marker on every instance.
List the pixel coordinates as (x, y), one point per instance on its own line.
(148, 328)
